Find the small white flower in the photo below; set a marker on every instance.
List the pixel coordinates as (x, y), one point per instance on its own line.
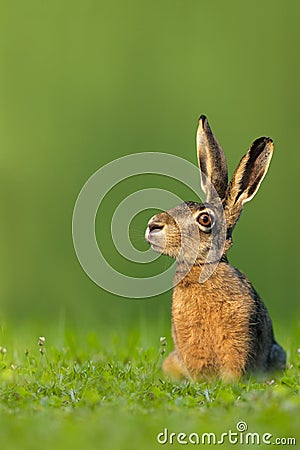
(42, 341)
(163, 340)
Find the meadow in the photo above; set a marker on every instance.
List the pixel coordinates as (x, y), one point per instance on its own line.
(71, 390)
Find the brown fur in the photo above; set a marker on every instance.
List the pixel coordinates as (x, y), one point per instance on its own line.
(211, 324)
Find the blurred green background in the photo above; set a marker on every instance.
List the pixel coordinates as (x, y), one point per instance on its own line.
(85, 82)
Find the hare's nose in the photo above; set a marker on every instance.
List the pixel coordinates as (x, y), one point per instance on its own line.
(155, 226)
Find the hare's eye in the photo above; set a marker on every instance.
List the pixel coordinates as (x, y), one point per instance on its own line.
(204, 219)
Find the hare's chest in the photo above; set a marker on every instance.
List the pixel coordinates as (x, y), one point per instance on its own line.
(204, 327)
(197, 320)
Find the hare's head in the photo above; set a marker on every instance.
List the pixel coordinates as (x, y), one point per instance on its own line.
(201, 232)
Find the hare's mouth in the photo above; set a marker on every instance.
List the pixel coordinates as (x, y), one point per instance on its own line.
(157, 248)
(156, 237)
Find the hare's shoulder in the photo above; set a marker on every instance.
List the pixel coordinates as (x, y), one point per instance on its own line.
(224, 301)
(227, 284)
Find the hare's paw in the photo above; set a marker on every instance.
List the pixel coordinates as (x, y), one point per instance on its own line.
(230, 376)
(232, 365)
(174, 368)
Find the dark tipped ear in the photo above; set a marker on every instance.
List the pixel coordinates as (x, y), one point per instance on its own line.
(248, 177)
(212, 162)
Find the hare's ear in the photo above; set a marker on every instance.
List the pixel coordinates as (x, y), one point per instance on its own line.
(247, 178)
(212, 162)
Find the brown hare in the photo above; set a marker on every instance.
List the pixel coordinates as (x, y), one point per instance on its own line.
(220, 326)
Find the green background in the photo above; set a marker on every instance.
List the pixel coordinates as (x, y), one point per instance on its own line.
(85, 82)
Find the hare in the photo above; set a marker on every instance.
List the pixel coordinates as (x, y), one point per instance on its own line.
(220, 326)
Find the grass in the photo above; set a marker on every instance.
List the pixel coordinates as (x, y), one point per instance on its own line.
(89, 393)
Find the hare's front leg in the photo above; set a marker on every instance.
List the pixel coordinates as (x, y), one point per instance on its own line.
(173, 367)
(232, 359)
